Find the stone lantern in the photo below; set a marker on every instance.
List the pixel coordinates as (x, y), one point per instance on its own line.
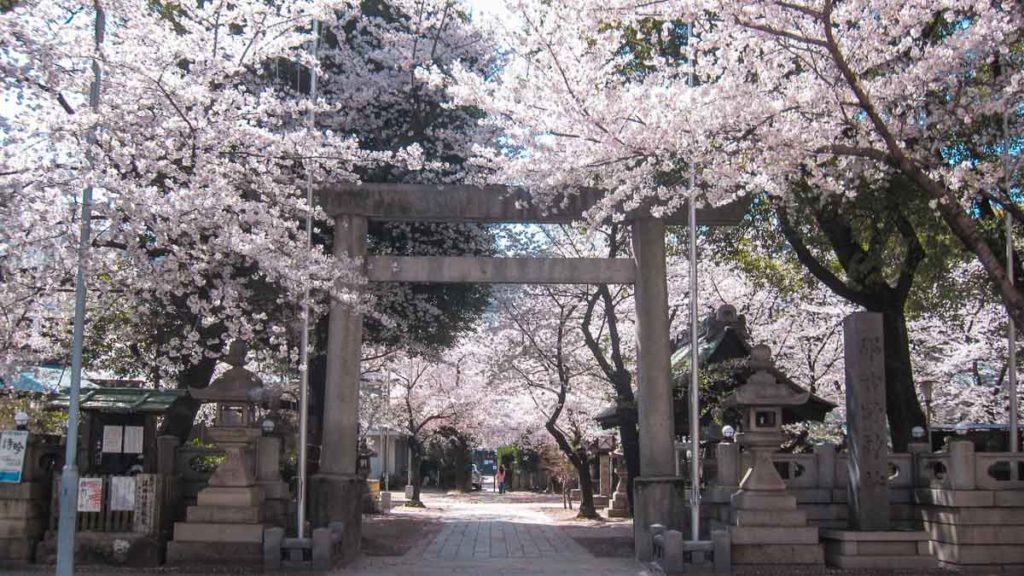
(767, 526)
(760, 401)
(226, 525)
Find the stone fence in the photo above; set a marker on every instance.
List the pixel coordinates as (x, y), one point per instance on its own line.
(970, 503)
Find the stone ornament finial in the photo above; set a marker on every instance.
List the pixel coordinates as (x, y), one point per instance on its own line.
(236, 385)
(762, 387)
(725, 317)
(237, 352)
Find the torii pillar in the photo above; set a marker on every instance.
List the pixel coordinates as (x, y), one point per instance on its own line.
(336, 491)
(657, 491)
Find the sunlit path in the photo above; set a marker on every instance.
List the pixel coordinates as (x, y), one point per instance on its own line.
(486, 533)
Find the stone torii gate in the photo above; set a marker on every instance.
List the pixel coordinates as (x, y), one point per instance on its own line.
(335, 491)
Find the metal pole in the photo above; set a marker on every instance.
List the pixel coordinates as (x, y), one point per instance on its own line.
(387, 411)
(69, 476)
(1011, 329)
(300, 516)
(694, 359)
(694, 376)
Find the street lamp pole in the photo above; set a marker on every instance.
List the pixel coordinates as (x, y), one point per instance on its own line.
(300, 503)
(1011, 329)
(694, 353)
(69, 476)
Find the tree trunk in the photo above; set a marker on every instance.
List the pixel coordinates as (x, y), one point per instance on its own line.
(902, 407)
(579, 461)
(181, 414)
(587, 508)
(630, 436)
(416, 449)
(463, 465)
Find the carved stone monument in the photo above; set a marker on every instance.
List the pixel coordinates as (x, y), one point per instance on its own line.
(767, 527)
(865, 422)
(226, 525)
(869, 542)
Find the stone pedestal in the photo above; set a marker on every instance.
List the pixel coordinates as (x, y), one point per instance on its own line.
(767, 527)
(619, 505)
(268, 477)
(888, 550)
(657, 500)
(338, 498)
(226, 525)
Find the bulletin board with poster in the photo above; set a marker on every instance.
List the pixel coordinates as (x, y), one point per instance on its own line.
(119, 426)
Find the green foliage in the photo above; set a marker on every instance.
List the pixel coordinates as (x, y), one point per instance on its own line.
(40, 420)
(647, 42)
(450, 450)
(507, 455)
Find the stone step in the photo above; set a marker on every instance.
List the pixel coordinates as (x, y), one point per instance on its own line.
(801, 554)
(770, 518)
(883, 562)
(954, 534)
(750, 500)
(973, 516)
(230, 496)
(224, 514)
(214, 553)
(218, 532)
(305, 543)
(773, 535)
(978, 553)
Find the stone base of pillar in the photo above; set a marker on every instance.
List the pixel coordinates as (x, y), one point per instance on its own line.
(656, 500)
(339, 498)
(888, 549)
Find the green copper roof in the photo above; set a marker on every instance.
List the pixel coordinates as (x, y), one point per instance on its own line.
(121, 400)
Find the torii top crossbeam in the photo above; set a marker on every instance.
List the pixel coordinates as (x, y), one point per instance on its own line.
(482, 204)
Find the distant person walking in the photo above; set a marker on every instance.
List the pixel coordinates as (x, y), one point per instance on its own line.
(499, 479)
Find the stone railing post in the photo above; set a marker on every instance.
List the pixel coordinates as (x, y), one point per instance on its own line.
(166, 453)
(916, 450)
(825, 460)
(727, 457)
(961, 465)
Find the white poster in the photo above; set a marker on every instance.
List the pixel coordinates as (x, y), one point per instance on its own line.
(13, 445)
(112, 437)
(90, 494)
(133, 439)
(122, 493)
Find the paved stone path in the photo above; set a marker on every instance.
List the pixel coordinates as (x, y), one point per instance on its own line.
(492, 536)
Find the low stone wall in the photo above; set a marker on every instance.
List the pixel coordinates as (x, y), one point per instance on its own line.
(23, 512)
(25, 507)
(970, 504)
(818, 480)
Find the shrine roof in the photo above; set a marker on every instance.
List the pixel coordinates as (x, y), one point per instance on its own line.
(121, 400)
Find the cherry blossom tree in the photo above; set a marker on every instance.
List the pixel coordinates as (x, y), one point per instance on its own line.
(203, 154)
(427, 394)
(759, 96)
(539, 353)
